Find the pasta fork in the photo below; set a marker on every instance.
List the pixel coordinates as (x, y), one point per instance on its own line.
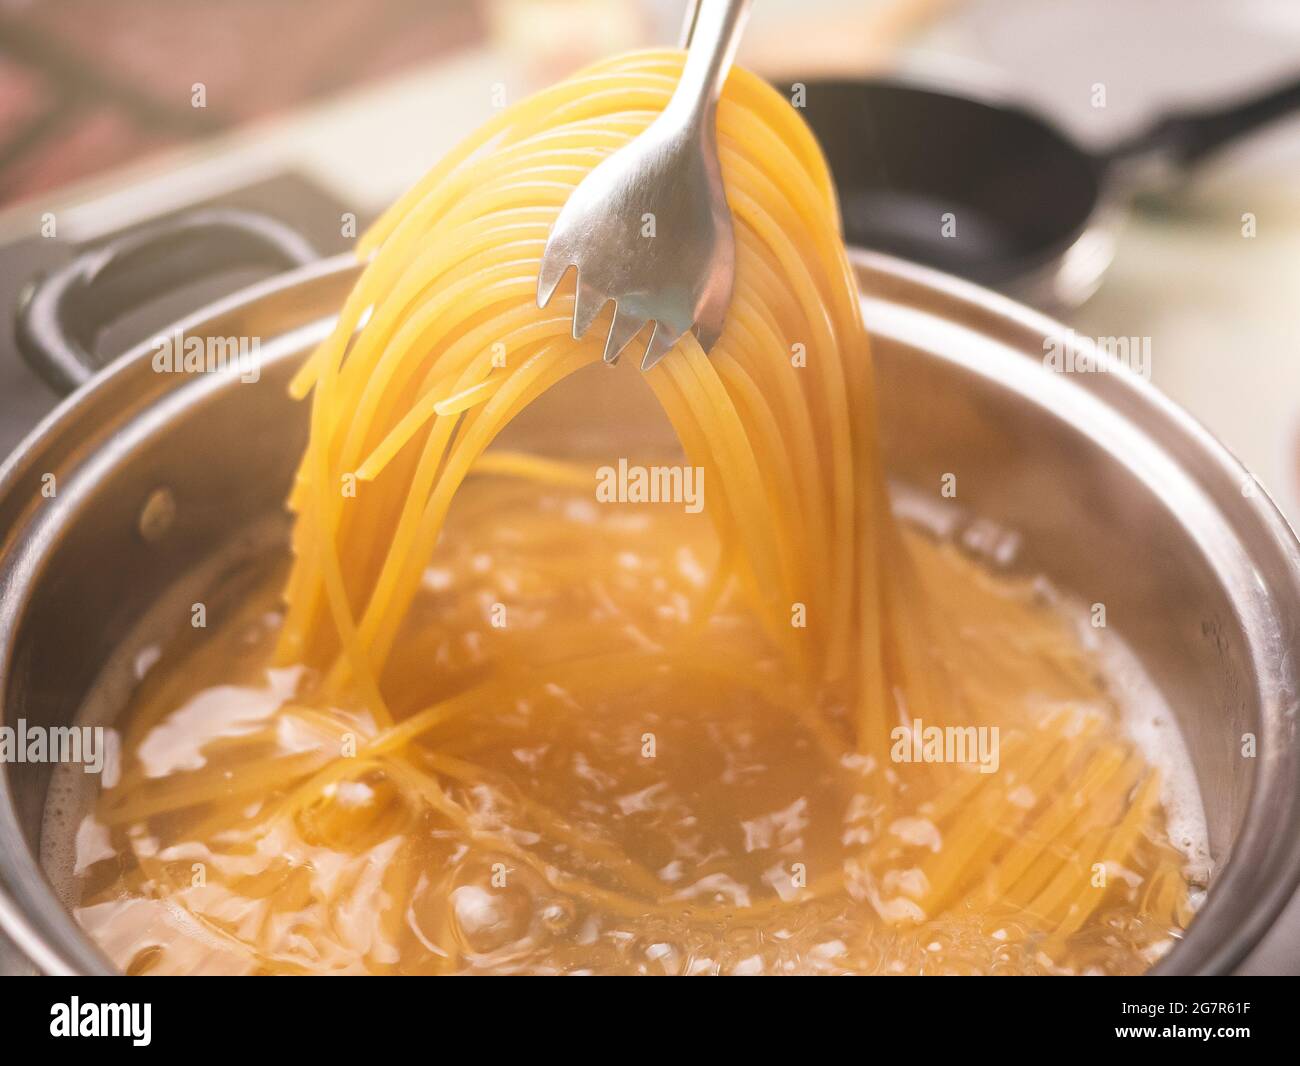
(649, 227)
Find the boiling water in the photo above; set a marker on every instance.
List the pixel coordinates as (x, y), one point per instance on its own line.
(676, 802)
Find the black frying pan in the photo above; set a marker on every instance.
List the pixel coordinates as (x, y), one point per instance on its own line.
(1021, 193)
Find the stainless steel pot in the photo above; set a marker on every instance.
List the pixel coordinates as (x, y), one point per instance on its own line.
(1117, 496)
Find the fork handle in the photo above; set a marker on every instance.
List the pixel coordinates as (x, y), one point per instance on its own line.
(712, 33)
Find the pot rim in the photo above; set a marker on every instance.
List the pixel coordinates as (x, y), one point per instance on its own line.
(1217, 939)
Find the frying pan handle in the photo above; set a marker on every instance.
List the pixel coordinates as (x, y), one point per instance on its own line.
(1190, 137)
(61, 314)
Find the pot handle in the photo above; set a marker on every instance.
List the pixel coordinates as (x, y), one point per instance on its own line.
(60, 315)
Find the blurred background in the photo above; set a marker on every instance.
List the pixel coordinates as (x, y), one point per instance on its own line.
(115, 113)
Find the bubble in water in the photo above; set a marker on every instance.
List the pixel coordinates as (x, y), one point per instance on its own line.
(493, 907)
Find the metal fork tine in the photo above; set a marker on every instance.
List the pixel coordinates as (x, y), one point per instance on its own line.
(707, 335)
(661, 343)
(586, 307)
(670, 172)
(549, 278)
(622, 332)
